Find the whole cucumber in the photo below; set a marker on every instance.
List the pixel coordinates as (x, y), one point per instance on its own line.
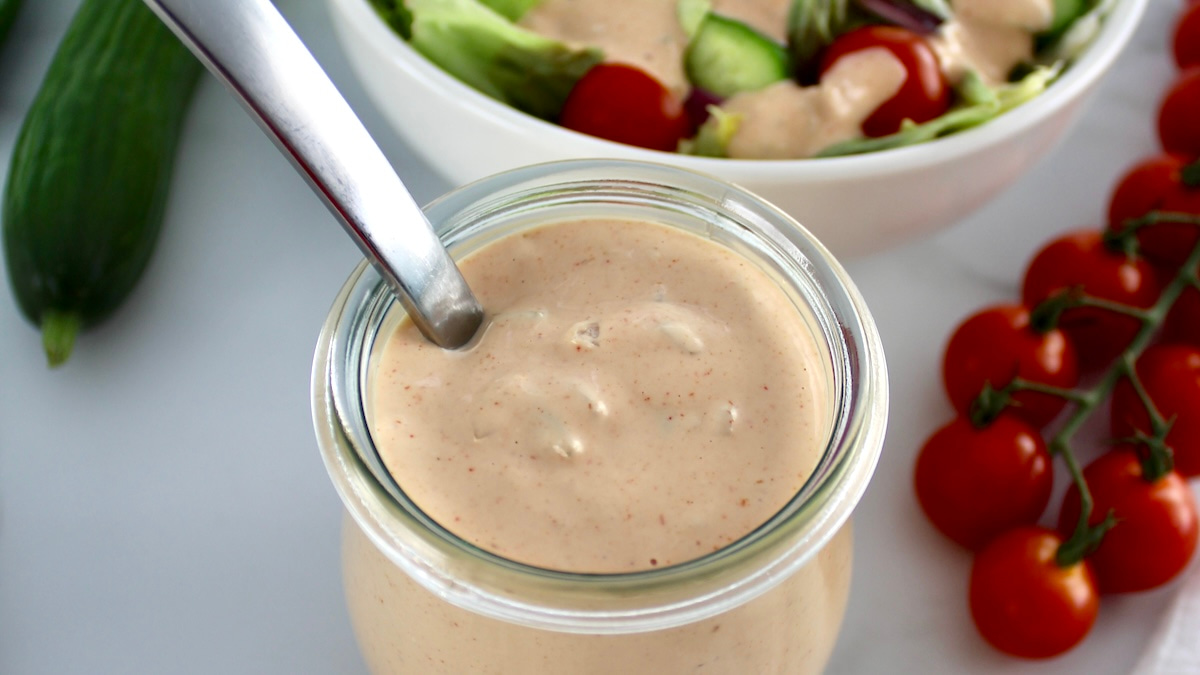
(92, 164)
(8, 14)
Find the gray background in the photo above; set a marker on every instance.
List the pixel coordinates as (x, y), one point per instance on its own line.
(163, 508)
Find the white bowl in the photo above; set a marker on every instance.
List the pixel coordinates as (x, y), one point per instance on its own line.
(855, 205)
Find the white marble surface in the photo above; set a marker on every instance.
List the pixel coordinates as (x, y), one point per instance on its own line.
(162, 505)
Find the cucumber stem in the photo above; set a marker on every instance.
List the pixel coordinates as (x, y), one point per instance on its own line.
(58, 335)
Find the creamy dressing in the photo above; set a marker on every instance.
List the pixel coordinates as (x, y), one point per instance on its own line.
(788, 121)
(642, 33)
(640, 397)
(991, 50)
(403, 629)
(1032, 16)
(645, 33)
(785, 120)
(990, 37)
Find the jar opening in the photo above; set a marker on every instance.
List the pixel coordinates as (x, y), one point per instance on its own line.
(478, 215)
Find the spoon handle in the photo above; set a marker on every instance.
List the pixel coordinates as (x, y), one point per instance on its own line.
(250, 47)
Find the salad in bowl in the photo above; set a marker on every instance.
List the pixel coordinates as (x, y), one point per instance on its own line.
(473, 89)
(753, 79)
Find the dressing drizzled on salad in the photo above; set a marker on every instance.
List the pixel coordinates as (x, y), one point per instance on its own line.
(753, 79)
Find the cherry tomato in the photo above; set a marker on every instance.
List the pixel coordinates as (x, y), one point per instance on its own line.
(1170, 374)
(1183, 321)
(924, 94)
(1186, 42)
(1178, 129)
(1081, 260)
(1156, 184)
(975, 483)
(1023, 603)
(997, 344)
(624, 104)
(1156, 524)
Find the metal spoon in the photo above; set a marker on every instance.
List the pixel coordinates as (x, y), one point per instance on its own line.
(248, 45)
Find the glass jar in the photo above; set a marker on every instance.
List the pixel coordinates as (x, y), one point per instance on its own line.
(424, 601)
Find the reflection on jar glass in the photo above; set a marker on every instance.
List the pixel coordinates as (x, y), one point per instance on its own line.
(658, 479)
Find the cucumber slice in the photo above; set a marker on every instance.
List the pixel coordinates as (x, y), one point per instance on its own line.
(727, 56)
(1065, 13)
(691, 14)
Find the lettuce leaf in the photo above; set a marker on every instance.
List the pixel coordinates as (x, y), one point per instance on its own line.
(484, 49)
(980, 104)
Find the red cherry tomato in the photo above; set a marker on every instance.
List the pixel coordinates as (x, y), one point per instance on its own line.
(624, 104)
(1156, 184)
(1023, 603)
(1081, 260)
(1186, 41)
(924, 94)
(997, 344)
(1178, 129)
(1170, 375)
(1156, 524)
(1183, 321)
(975, 483)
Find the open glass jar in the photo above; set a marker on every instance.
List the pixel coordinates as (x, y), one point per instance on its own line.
(423, 600)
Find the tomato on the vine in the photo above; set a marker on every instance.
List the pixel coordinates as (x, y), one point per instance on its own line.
(1183, 321)
(1186, 42)
(998, 343)
(1178, 129)
(1081, 260)
(1023, 603)
(1031, 595)
(1157, 184)
(1156, 523)
(924, 95)
(1170, 375)
(625, 104)
(974, 483)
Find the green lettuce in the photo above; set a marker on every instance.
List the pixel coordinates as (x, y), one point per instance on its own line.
(979, 104)
(713, 136)
(486, 50)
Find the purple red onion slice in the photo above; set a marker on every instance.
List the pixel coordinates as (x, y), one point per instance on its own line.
(905, 14)
(696, 105)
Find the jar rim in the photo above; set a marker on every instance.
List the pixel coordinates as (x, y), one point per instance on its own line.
(649, 599)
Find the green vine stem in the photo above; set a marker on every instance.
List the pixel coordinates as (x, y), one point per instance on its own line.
(991, 402)
(1190, 174)
(1160, 459)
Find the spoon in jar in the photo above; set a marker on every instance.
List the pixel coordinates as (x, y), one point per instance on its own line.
(250, 47)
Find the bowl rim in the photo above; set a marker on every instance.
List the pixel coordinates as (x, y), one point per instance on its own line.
(1115, 33)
